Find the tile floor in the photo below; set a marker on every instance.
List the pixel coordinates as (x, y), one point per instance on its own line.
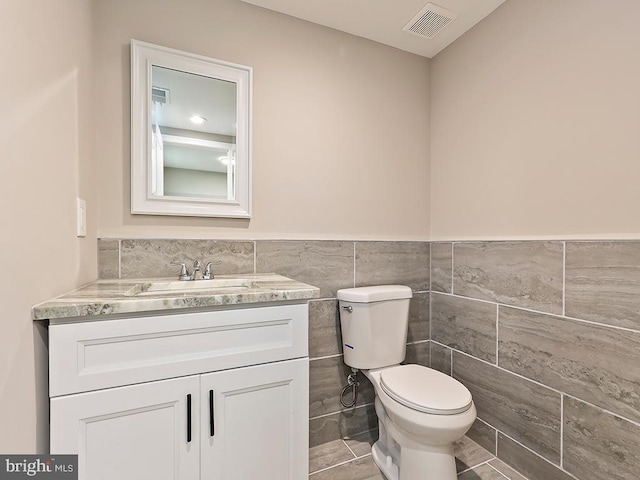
(350, 459)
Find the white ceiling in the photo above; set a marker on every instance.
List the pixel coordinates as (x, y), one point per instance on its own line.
(191, 94)
(383, 20)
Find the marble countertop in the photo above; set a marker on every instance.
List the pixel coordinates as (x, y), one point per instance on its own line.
(111, 297)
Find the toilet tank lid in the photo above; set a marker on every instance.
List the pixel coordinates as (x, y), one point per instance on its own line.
(377, 293)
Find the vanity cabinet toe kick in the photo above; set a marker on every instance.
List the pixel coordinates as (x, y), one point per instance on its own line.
(215, 394)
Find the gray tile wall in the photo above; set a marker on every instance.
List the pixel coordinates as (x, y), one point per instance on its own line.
(546, 336)
(329, 265)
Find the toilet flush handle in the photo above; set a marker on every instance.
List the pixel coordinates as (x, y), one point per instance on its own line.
(348, 309)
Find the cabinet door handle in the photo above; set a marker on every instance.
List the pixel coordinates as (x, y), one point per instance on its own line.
(188, 418)
(212, 427)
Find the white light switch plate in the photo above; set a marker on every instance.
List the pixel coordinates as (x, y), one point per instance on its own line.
(81, 217)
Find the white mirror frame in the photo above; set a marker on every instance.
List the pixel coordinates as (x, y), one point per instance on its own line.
(143, 57)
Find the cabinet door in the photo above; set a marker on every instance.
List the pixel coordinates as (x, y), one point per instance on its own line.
(131, 433)
(260, 422)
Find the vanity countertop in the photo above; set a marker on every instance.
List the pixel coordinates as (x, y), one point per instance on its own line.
(112, 297)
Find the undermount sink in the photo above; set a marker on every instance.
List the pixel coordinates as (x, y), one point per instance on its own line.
(189, 286)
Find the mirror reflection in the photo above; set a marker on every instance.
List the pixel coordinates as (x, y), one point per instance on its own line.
(193, 135)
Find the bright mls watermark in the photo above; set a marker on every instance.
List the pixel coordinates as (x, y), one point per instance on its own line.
(49, 467)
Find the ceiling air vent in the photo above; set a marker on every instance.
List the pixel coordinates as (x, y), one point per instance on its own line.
(160, 95)
(430, 21)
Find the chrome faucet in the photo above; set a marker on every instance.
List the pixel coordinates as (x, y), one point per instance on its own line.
(197, 265)
(196, 269)
(184, 273)
(208, 274)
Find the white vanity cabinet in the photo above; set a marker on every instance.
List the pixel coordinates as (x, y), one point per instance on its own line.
(133, 432)
(260, 422)
(219, 395)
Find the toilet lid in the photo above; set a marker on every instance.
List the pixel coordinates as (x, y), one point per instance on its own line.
(425, 390)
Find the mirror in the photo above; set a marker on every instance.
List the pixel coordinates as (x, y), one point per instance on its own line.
(190, 138)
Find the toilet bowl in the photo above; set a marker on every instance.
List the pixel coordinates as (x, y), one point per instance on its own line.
(419, 422)
(421, 412)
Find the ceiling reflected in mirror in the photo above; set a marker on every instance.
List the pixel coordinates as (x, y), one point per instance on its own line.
(180, 98)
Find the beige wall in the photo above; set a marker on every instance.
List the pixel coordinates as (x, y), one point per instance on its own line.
(536, 124)
(340, 125)
(46, 140)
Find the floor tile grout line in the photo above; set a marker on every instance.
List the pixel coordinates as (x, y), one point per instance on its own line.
(491, 466)
(363, 456)
(339, 464)
(506, 464)
(468, 469)
(472, 468)
(347, 445)
(332, 466)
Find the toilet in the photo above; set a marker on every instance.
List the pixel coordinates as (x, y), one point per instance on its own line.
(421, 412)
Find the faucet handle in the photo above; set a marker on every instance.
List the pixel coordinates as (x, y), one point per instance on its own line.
(207, 275)
(184, 273)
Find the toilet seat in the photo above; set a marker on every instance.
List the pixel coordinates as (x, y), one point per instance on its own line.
(425, 390)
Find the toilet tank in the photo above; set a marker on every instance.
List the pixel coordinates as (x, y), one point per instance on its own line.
(374, 321)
